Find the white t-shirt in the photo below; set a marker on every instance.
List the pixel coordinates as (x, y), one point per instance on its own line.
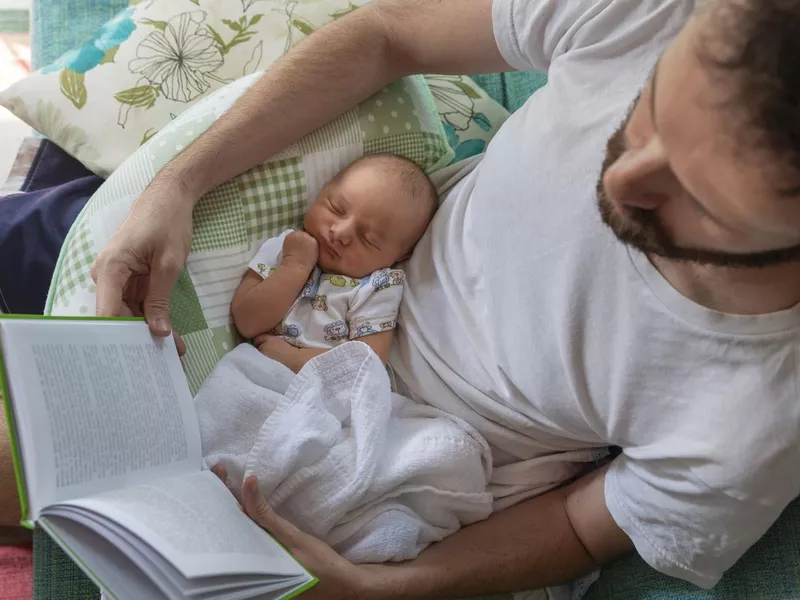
(332, 309)
(525, 316)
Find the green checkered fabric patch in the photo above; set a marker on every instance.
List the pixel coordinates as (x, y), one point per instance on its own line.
(273, 197)
(184, 306)
(76, 264)
(218, 220)
(420, 147)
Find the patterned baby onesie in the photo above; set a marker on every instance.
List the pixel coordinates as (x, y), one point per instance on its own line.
(332, 309)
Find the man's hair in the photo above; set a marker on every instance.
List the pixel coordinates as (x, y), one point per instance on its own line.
(755, 44)
(411, 177)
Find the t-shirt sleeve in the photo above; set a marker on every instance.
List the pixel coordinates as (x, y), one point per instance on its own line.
(268, 257)
(532, 34)
(375, 305)
(682, 527)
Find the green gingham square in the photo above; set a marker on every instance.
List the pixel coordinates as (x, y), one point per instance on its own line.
(184, 305)
(218, 220)
(78, 261)
(425, 149)
(273, 197)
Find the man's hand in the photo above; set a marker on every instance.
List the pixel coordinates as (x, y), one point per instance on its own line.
(338, 578)
(133, 299)
(300, 250)
(548, 540)
(142, 261)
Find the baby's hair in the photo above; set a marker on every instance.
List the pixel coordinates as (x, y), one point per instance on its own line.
(410, 174)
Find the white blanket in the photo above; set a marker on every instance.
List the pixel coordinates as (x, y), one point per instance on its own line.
(342, 457)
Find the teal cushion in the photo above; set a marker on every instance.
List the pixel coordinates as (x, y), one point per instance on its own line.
(58, 26)
(511, 89)
(55, 576)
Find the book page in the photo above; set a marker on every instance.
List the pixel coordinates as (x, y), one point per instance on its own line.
(99, 405)
(195, 523)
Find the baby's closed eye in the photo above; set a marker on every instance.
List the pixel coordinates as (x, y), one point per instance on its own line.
(335, 207)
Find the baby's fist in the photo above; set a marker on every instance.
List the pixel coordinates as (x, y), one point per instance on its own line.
(300, 249)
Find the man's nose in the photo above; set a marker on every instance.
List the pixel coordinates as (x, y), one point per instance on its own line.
(641, 178)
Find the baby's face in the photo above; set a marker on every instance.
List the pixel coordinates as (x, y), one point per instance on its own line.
(364, 221)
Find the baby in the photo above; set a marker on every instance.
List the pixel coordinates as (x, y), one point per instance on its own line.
(306, 292)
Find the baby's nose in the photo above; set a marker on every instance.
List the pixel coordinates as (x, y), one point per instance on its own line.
(342, 233)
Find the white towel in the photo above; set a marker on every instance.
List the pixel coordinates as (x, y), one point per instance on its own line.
(342, 457)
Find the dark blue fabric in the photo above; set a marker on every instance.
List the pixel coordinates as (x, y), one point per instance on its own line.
(34, 224)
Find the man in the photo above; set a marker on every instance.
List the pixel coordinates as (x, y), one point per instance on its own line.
(525, 314)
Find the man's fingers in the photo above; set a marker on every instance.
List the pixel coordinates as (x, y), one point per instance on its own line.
(111, 280)
(126, 311)
(222, 474)
(156, 304)
(257, 509)
(179, 343)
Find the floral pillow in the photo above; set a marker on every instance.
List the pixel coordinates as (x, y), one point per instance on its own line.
(470, 117)
(147, 65)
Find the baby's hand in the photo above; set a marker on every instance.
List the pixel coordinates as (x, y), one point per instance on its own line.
(301, 250)
(275, 348)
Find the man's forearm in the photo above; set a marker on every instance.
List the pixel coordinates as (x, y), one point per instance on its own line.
(325, 75)
(528, 546)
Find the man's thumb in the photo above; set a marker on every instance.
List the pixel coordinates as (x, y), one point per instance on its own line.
(156, 304)
(255, 505)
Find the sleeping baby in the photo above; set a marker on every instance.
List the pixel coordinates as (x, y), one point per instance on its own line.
(376, 475)
(306, 292)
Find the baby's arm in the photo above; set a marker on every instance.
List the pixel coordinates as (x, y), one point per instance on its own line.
(381, 343)
(260, 304)
(295, 358)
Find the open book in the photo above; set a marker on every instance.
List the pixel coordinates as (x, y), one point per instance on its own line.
(108, 461)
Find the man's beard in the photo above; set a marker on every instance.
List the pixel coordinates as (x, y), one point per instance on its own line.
(643, 230)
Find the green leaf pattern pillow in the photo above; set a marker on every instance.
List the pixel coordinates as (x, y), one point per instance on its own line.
(469, 116)
(153, 61)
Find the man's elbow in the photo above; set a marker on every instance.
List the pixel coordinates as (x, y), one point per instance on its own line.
(390, 19)
(591, 522)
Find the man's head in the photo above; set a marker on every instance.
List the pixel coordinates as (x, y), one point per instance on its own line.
(706, 167)
(371, 215)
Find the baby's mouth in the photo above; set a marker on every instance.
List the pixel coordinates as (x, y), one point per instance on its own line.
(328, 248)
